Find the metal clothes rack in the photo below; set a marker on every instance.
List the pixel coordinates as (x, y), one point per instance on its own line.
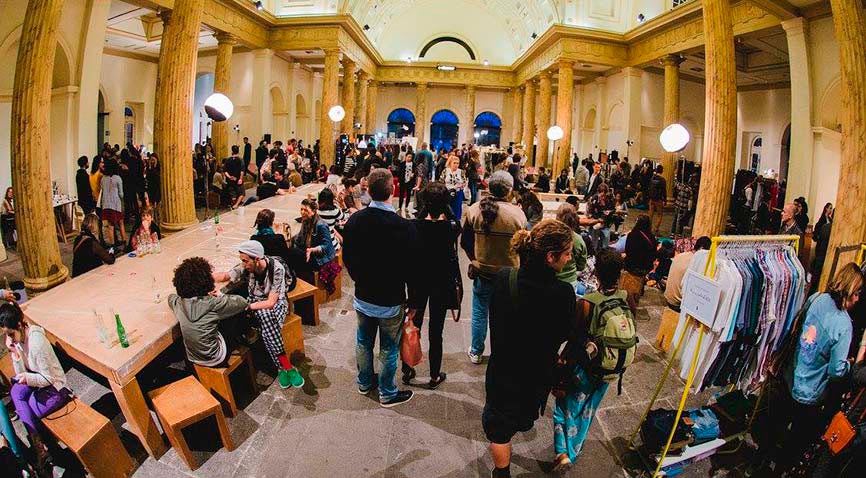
(709, 271)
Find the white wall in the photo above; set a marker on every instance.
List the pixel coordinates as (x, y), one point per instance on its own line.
(126, 81)
(766, 113)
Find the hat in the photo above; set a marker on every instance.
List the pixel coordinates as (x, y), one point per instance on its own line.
(253, 249)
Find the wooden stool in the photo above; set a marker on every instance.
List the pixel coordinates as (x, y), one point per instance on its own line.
(293, 336)
(183, 403)
(216, 380)
(304, 290)
(322, 292)
(92, 438)
(667, 328)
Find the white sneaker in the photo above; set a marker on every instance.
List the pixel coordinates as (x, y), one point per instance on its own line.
(476, 359)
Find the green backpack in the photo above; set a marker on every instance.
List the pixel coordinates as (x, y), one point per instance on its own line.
(612, 330)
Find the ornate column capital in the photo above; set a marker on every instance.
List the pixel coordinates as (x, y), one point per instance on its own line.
(470, 88)
(544, 74)
(795, 26)
(331, 51)
(672, 60)
(563, 63)
(421, 85)
(225, 38)
(263, 53)
(601, 80)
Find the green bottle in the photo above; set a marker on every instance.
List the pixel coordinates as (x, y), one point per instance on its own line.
(216, 216)
(121, 332)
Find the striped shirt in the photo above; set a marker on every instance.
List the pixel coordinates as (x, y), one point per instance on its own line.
(331, 217)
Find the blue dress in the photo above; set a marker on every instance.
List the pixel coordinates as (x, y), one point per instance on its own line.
(573, 414)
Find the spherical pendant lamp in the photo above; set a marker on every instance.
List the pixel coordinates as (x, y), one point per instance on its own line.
(219, 107)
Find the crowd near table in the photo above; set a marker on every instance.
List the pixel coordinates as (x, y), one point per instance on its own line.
(136, 288)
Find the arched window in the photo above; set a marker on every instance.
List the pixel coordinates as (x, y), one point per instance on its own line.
(755, 154)
(488, 127)
(401, 122)
(129, 124)
(443, 130)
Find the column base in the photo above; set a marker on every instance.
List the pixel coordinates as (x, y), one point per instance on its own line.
(176, 226)
(45, 283)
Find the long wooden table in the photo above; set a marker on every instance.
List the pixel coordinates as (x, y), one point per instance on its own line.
(137, 288)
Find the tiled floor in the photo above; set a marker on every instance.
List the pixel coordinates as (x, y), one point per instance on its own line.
(328, 430)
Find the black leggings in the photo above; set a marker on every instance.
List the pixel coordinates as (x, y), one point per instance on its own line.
(434, 331)
(405, 192)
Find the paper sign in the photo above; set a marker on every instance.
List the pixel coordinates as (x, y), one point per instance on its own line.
(701, 297)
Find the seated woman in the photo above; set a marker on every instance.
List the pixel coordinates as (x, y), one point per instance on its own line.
(640, 254)
(211, 324)
(145, 230)
(39, 386)
(314, 241)
(333, 216)
(561, 186)
(275, 244)
(532, 208)
(87, 251)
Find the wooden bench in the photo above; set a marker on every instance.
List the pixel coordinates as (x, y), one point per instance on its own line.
(217, 379)
(183, 403)
(293, 337)
(322, 293)
(667, 329)
(304, 290)
(92, 438)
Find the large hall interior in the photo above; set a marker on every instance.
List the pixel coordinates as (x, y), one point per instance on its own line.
(697, 151)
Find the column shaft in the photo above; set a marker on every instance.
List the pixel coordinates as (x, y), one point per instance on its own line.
(799, 172)
(421, 120)
(542, 156)
(518, 114)
(347, 126)
(564, 113)
(329, 100)
(361, 110)
(372, 99)
(849, 19)
(31, 161)
(529, 120)
(177, 62)
(720, 121)
(470, 114)
(221, 84)
(671, 114)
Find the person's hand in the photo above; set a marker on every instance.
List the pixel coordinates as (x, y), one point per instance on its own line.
(9, 295)
(309, 253)
(13, 350)
(21, 378)
(3, 442)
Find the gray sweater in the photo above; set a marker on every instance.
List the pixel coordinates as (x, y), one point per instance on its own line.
(112, 193)
(199, 318)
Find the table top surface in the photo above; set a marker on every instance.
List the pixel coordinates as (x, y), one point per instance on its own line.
(137, 289)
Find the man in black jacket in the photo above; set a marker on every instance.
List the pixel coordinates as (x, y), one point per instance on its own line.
(261, 154)
(380, 291)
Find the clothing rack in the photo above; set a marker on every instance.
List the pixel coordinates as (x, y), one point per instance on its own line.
(745, 242)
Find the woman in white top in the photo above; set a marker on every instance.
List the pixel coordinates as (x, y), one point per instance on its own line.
(39, 385)
(455, 181)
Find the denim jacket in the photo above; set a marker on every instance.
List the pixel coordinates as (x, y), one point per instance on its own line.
(321, 237)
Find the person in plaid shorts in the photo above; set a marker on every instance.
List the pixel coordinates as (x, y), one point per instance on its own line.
(266, 280)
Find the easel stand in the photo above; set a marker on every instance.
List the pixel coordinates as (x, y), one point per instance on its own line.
(709, 271)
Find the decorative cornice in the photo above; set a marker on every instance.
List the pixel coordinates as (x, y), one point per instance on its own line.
(418, 73)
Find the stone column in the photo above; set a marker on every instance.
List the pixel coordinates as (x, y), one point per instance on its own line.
(599, 137)
(470, 114)
(564, 113)
(347, 127)
(518, 114)
(221, 84)
(421, 119)
(361, 110)
(542, 155)
(175, 72)
(529, 120)
(31, 162)
(671, 65)
(849, 19)
(720, 121)
(800, 153)
(372, 99)
(327, 153)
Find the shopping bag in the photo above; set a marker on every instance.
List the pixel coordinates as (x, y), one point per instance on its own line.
(410, 346)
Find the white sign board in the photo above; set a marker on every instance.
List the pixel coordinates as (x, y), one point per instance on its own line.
(701, 297)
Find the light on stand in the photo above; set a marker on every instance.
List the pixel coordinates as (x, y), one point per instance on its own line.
(674, 138)
(555, 133)
(219, 107)
(336, 113)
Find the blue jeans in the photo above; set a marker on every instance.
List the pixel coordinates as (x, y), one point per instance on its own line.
(600, 238)
(390, 333)
(482, 290)
(473, 192)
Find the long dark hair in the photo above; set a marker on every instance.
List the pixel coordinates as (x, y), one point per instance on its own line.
(489, 210)
(436, 201)
(308, 226)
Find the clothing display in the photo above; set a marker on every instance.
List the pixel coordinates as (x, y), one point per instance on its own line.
(762, 288)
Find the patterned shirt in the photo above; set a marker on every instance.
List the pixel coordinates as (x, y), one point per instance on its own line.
(260, 287)
(684, 197)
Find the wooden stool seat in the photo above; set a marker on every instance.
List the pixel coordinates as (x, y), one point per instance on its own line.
(216, 379)
(92, 438)
(293, 337)
(667, 329)
(322, 293)
(304, 290)
(183, 403)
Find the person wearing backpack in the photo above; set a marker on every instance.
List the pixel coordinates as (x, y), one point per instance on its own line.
(658, 193)
(531, 314)
(604, 346)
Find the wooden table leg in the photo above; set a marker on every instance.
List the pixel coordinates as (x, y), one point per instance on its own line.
(134, 408)
(58, 223)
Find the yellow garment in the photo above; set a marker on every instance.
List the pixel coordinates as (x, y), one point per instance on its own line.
(96, 184)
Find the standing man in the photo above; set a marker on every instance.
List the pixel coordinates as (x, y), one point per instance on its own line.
(261, 156)
(248, 153)
(380, 291)
(422, 175)
(684, 203)
(234, 173)
(789, 225)
(657, 195)
(594, 181)
(426, 157)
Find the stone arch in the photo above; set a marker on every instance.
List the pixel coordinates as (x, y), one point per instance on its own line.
(302, 117)
(279, 113)
(614, 116)
(831, 109)
(589, 119)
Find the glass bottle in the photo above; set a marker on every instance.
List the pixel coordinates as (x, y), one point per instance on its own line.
(121, 332)
(101, 330)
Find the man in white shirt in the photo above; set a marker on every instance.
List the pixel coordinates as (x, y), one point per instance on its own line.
(594, 180)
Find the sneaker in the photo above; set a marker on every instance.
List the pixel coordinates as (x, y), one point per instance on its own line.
(283, 378)
(434, 383)
(408, 376)
(364, 391)
(402, 396)
(295, 378)
(476, 359)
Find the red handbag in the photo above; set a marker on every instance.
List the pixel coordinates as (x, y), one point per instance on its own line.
(410, 345)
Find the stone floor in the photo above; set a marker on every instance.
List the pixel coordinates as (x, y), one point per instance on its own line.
(327, 429)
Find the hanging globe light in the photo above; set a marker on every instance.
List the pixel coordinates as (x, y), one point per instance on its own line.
(336, 113)
(219, 107)
(555, 133)
(674, 138)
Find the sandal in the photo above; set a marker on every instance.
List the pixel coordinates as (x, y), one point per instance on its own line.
(434, 383)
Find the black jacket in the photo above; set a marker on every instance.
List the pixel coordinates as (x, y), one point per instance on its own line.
(523, 352)
(401, 174)
(371, 238)
(85, 194)
(438, 240)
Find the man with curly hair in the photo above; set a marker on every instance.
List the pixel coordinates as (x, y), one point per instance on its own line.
(211, 325)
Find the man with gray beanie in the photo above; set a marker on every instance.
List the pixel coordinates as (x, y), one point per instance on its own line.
(266, 278)
(487, 230)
